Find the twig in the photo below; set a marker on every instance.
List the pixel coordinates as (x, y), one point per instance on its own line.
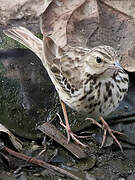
(50, 130)
(39, 163)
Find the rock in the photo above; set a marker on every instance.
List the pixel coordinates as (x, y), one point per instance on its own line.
(27, 94)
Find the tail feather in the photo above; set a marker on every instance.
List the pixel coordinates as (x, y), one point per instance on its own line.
(25, 37)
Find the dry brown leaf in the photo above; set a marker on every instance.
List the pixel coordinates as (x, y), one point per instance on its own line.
(128, 7)
(103, 25)
(82, 23)
(54, 19)
(19, 9)
(93, 23)
(127, 46)
(15, 141)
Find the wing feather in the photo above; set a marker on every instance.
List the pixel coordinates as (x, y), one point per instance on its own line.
(67, 67)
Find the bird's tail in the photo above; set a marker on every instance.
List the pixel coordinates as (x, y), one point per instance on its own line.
(25, 37)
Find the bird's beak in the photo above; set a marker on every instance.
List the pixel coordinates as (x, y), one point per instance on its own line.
(117, 65)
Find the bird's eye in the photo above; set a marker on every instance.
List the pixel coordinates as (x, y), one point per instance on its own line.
(99, 60)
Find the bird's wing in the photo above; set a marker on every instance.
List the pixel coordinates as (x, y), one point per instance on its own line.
(66, 65)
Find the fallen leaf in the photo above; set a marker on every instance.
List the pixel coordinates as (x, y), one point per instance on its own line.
(15, 141)
(19, 9)
(127, 46)
(55, 18)
(128, 7)
(104, 25)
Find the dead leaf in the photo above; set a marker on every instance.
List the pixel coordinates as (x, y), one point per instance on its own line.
(128, 7)
(54, 20)
(19, 9)
(103, 25)
(82, 23)
(15, 141)
(127, 46)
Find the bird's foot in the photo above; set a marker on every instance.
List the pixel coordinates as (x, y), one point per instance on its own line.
(106, 129)
(70, 134)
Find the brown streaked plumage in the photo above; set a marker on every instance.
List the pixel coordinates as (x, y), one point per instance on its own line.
(90, 81)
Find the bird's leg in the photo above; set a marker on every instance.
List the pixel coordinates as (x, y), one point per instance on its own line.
(111, 132)
(106, 129)
(67, 127)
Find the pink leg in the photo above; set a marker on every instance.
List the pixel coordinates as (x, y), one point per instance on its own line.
(67, 127)
(106, 129)
(111, 132)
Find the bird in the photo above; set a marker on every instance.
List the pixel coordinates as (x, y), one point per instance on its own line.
(88, 80)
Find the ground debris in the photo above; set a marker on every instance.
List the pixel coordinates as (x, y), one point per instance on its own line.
(51, 131)
(38, 162)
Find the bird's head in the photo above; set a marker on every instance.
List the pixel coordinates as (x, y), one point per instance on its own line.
(101, 59)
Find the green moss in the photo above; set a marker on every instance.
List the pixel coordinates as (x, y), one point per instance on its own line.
(39, 35)
(12, 114)
(8, 42)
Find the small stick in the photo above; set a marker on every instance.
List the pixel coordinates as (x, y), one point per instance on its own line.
(51, 131)
(39, 163)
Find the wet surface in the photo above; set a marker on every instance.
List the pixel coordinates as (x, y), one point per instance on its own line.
(23, 85)
(28, 99)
